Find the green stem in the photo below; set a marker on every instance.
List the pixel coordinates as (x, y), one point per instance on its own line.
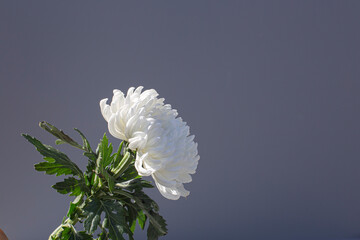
(123, 165)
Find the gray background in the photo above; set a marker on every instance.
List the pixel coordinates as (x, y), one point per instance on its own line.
(269, 88)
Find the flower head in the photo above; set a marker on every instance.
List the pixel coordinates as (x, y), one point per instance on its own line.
(165, 150)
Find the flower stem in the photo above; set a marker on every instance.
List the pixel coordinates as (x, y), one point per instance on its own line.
(123, 165)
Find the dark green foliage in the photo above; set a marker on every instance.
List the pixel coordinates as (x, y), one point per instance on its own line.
(134, 184)
(129, 173)
(157, 226)
(114, 219)
(86, 144)
(69, 233)
(56, 162)
(110, 187)
(93, 211)
(141, 219)
(71, 185)
(75, 209)
(105, 150)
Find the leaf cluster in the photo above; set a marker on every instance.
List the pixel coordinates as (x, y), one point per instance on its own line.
(109, 194)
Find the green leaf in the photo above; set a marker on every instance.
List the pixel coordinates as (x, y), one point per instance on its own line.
(59, 142)
(93, 211)
(154, 231)
(74, 208)
(149, 207)
(141, 217)
(131, 218)
(86, 144)
(110, 179)
(114, 217)
(146, 202)
(59, 134)
(69, 233)
(103, 173)
(105, 150)
(96, 183)
(56, 162)
(91, 156)
(71, 185)
(83, 236)
(134, 184)
(90, 168)
(103, 235)
(130, 173)
(157, 224)
(115, 214)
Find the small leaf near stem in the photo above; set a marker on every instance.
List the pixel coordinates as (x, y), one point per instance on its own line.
(59, 134)
(86, 144)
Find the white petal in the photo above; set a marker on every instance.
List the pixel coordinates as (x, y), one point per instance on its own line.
(183, 192)
(105, 109)
(139, 165)
(167, 192)
(185, 178)
(167, 182)
(113, 130)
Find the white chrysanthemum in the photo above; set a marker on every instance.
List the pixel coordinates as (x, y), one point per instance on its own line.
(164, 148)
